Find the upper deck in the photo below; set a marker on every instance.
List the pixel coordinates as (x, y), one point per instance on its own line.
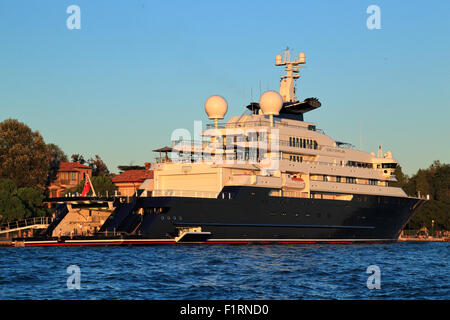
(273, 140)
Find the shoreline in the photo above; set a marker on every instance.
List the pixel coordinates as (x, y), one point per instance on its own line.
(5, 243)
(430, 239)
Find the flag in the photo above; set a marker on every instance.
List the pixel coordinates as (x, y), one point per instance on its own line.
(87, 187)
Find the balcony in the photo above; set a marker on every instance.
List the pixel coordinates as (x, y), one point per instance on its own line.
(66, 182)
(261, 123)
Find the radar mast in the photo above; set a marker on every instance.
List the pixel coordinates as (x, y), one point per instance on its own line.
(287, 85)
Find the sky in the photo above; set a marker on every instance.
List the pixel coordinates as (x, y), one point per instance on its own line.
(137, 70)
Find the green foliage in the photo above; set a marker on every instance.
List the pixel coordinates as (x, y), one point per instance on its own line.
(432, 210)
(78, 158)
(99, 167)
(8, 186)
(11, 207)
(24, 157)
(56, 153)
(102, 185)
(19, 203)
(56, 156)
(402, 178)
(32, 200)
(435, 182)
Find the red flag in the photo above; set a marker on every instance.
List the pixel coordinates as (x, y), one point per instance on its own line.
(87, 187)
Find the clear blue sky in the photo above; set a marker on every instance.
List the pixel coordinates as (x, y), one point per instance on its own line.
(137, 70)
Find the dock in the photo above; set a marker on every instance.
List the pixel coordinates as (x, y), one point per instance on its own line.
(5, 243)
(423, 239)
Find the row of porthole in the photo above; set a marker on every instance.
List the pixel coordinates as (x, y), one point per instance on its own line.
(319, 215)
(173, 218)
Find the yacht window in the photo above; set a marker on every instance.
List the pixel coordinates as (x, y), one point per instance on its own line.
(350, 180)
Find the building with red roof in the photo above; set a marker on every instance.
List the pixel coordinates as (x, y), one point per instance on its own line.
(69, 175)
(129, 181)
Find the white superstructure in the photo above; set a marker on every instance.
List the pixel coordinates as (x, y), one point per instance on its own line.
(273, 147)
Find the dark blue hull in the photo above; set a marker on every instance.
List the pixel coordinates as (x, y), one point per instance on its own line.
(248, 215)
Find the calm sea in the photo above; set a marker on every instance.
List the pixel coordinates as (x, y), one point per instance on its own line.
(407, 271)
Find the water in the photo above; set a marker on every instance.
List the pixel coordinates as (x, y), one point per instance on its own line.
(408, 271)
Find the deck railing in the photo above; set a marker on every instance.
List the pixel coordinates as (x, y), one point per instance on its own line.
(184, 193)
(261, 123)
(25, 223)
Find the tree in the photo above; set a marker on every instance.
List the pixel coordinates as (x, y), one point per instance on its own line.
(19, 203)
(11, 207)
(56, 154)
(8, 186)
(130, 167)
(32, 201)
(56, 157)
(102, 185)
(402, 179)
(435, 182)
(23, 155)
(99, 168)
(78, 158)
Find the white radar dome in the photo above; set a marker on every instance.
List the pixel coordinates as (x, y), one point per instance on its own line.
(216, 107)
(271, 102)
(278, 59)
(301, 57)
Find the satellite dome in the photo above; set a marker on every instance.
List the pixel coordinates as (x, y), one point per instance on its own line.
(216, 107)
(278, 59)
(271, 102)
(301, 57)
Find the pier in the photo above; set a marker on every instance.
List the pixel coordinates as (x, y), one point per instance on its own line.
(19, 226)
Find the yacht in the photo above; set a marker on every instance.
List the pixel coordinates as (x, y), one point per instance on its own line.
(266, 176)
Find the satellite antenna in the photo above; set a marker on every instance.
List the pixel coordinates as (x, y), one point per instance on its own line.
(271, 103)
(216, 107)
